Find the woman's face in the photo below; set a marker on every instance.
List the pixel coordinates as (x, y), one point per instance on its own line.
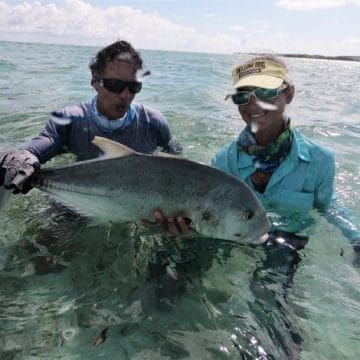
(266, 115)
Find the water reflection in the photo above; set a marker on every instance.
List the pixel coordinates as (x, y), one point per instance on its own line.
(157, 296)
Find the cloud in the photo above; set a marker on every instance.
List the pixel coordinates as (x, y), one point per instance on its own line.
(236, 28)
(308, 5)
(80, 23)
(209, 16)
(352, 41)
(262, 26)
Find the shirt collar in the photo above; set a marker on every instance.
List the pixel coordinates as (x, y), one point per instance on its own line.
(300, 148)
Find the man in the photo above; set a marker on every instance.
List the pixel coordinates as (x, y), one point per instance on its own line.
(111, 114)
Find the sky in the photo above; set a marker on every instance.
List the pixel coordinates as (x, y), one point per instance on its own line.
(323, 27)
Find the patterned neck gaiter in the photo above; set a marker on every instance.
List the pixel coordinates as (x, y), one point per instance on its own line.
(266, 158)
(112, 125)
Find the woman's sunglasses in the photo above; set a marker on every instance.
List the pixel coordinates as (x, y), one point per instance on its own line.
(118, 86)
(242, 97)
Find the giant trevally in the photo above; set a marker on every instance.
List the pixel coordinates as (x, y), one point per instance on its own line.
(126, 186)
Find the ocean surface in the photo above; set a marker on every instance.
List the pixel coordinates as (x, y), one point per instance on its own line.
(63, 280)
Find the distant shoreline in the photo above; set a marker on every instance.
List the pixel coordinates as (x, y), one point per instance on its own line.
(320, 57)
(323, 57)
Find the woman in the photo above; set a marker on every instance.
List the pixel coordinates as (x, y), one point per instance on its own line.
(288, 172)
(291, 175)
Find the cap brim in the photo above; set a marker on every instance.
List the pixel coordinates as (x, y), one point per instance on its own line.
(264, 81)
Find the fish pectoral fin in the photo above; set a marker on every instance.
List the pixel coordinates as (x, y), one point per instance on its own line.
(112, 148)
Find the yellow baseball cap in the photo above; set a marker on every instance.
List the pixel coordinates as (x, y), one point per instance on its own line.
(263, 73)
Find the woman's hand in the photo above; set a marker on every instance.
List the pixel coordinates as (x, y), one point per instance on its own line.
(174, 225)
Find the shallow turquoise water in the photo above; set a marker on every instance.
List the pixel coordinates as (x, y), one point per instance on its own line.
(64, 281)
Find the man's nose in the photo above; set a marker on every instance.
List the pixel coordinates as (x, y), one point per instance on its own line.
(125, 94)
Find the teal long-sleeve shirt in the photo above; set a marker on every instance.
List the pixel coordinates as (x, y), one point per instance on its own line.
(304, 180)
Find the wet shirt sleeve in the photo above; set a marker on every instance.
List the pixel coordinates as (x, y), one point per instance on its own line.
(341, 217)
(326, 201)
(50, 142)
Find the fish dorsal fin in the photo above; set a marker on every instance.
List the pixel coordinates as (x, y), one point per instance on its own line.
(112, 148)
(167, 155)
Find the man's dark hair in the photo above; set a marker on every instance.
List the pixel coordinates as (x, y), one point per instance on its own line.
(111, 52)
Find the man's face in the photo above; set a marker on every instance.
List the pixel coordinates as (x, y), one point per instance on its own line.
(114, 105)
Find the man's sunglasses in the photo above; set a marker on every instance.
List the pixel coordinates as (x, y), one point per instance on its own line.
(118, 86)
(242, 97)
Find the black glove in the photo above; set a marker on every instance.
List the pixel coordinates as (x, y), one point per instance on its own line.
(286, 239)
(16, 168)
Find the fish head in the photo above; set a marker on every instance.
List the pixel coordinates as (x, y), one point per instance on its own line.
(232, 215)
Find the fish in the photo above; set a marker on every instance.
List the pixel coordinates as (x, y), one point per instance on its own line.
(122, 185)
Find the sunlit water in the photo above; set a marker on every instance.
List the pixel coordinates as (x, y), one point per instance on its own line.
(63, 281)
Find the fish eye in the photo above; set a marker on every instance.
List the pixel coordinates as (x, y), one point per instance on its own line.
(206, 216)
(247, 215)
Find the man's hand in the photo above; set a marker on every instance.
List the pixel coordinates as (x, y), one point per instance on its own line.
(16, 168)
(174, 225)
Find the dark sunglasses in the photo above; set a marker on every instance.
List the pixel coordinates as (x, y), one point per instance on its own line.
(118, 86)
(242, 97)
